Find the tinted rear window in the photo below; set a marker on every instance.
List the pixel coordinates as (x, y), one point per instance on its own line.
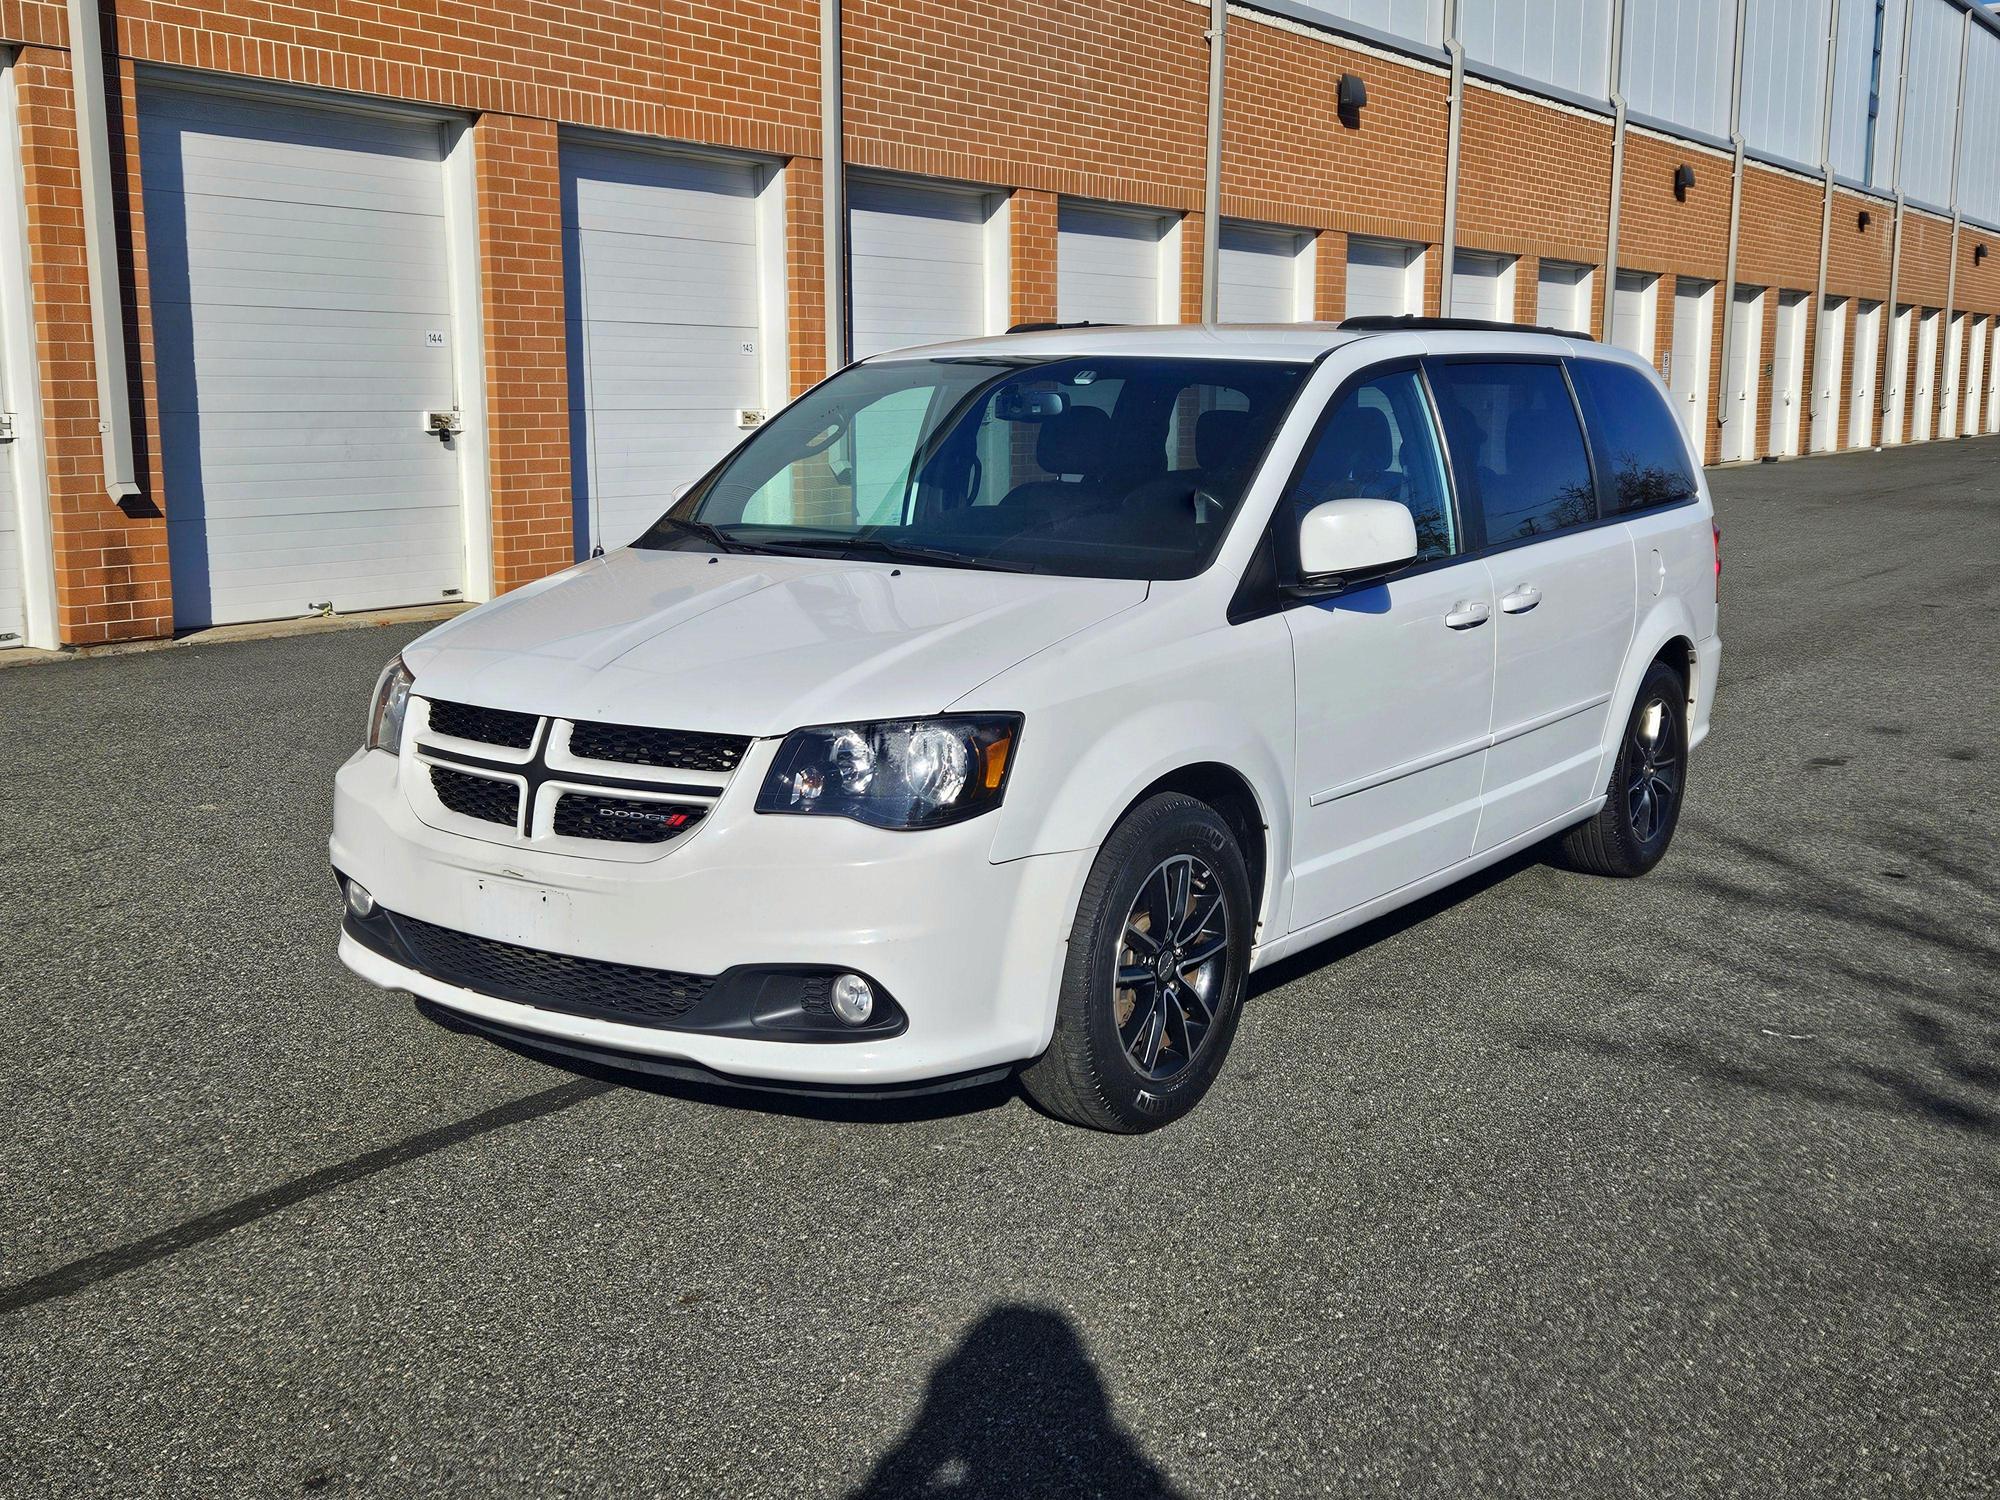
(1516, 450)
(1639, 448)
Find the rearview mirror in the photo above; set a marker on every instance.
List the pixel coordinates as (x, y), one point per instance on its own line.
(1346, 542)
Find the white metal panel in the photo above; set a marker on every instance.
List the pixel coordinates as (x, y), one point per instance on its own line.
(1563, 43)
(918, 263)
(665, 322)
(1414, 20)
(1993, 377)
(1784, 77)
(302, 318)
(1935, 32)
(1635, 298)
(1954, 355)
(1979, 153)
(1864, 89)
(1562, 296)
(1679, 59)
(1862, 392)
(1829, 358)
(1924, 377)
(1111, 266)
(1975, 379)
(1740, 382)
(13, 592)
(1482, 286)
(1263, 275)
(1788, 368)
(1687, 365)
(1385, 278)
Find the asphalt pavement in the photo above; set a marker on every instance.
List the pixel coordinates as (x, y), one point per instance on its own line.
(1689, 1185)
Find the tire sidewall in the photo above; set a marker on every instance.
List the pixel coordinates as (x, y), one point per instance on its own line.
(1184, 827)
(1661, 682)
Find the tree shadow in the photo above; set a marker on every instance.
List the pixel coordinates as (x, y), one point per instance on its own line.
(1016, 1410)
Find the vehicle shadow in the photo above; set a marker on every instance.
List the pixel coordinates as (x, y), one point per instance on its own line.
(1016, 1410)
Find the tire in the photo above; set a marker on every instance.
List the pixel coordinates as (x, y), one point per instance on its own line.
(1095, 1072)
(1642, 805)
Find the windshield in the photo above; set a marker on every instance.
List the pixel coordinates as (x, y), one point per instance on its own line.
(1102, 468)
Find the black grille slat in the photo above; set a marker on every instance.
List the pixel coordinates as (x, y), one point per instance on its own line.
(622, 820)
(477, 796)
(551, 981)
(485, 726)
(679, 749)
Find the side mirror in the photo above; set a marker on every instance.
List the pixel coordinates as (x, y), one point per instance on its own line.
(1347, 542)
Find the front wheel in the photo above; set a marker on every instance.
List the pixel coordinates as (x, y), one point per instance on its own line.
(1642, 806)
(1158, 960)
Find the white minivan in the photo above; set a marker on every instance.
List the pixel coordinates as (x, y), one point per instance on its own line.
(1002, 705)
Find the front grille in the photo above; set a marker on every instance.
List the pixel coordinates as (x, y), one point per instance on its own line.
(489, 726)
(551, 981)
(681, 749)
(477, 796)
(622, 820)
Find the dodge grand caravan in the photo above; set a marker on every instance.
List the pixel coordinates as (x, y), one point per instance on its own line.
(1003, 705)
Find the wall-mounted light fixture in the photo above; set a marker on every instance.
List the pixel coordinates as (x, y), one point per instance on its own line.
(1978, 254)
(1350, 98)
(1683, 180)
(1863, 219)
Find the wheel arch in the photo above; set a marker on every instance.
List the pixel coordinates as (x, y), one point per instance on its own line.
(1230, 793)
(1665, 633)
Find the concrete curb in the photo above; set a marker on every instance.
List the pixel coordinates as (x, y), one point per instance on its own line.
(223, 635)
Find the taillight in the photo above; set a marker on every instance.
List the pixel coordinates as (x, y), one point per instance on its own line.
(1716, 527)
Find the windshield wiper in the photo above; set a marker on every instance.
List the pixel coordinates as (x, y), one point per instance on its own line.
(914, 552)
(713, 535)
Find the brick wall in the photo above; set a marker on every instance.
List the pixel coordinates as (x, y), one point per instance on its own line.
(1039, 98)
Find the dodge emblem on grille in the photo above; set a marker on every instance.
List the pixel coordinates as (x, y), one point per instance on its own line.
(672, 820)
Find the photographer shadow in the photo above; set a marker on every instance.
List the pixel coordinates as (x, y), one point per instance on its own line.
(1016, 1410)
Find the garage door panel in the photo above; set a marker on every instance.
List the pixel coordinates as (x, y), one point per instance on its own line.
(1259, 275)
(1108, 265)
(918, 262)
(302, 322)
(663, 260)
(1380, 278)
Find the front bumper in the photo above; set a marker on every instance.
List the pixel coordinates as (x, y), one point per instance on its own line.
(971, 950)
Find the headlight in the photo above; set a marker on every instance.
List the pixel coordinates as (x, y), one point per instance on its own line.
(386, 709)
(906, 773)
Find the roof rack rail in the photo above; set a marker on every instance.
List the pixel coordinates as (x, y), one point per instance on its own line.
(1052, 327)
(1411, 323)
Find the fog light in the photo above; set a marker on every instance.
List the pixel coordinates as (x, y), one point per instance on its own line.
(853, 999)
(359, 901)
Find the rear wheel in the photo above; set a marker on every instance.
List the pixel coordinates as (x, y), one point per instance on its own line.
(1642, 805)
(1158, 960)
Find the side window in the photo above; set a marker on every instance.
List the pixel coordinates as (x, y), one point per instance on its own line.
(1516, 450)
(1380, 444)
(1638, 443)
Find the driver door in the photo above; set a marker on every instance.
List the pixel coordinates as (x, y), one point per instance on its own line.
(1394, 681)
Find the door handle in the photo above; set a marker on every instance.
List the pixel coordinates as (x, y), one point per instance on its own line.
(1524, 598)
(1467, 613)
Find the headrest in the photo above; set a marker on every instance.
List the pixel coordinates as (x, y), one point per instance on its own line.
(1362, 433)
(1217, 437)
(1074, 442)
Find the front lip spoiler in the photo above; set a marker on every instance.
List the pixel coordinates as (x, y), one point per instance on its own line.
(565, 1051)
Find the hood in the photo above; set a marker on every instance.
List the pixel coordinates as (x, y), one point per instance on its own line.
(743, 644)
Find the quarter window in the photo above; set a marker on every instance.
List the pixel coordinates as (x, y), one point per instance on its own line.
(1516, 449)
(1380, 444)
(1639, 447)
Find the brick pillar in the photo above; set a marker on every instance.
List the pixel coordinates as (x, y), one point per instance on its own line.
(1527, 289)
(1760, 373)
(1031, 256)
(527, 369)
(112, 580)
(1433, 280)
(1330, 276)
(1192, 228)
(805, 273)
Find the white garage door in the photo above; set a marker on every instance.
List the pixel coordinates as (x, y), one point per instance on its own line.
(303, 327)
(918, 260)
(1482, 286)
(1562, 296)
(1111, 267)
(1385, 278)
(13, 607)
(665, 329)
(1265, 275)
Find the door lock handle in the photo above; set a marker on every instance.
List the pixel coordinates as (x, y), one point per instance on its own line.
(1467, 613)
(1524, 598)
